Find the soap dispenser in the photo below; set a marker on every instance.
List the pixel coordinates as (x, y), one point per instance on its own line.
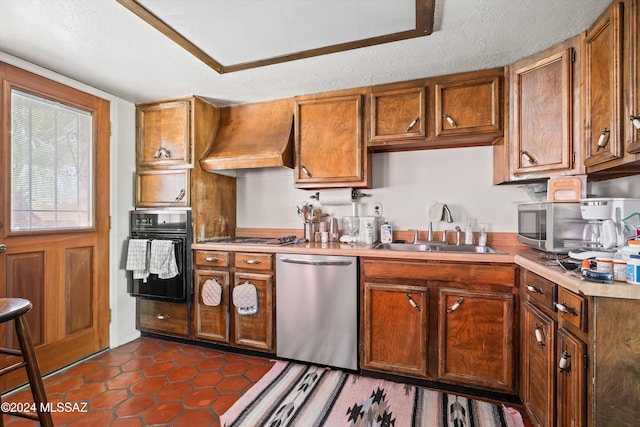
(482, 239)
(468, 235)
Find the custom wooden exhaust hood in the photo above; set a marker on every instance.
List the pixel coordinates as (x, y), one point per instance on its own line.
(253, 135)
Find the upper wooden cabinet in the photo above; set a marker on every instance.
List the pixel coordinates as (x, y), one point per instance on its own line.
(542, 98)
(602, 79)
(164, 134)
(397, 113)
(632, 50)
(329, 143)
(468, 106)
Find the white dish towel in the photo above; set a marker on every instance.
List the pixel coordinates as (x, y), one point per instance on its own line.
(137, 258)
(163, 259)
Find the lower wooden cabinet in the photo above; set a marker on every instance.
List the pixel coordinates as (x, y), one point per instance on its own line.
(222, 323)
(475, 338)
(395, 324)
(166, 318)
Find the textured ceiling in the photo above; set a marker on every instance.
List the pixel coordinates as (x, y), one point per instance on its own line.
(101, 43)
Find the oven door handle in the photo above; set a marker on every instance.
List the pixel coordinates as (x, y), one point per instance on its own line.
(314, 261)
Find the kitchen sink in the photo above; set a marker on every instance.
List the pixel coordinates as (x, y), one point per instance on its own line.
(436, 247)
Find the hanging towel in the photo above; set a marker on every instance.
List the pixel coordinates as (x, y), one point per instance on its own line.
(245, 298)
(163, 259)
(137, 258)
(211, 292)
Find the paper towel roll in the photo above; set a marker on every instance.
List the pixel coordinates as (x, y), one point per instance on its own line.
(340, 196)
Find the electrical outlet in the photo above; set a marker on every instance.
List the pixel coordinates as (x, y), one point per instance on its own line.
(377, 209)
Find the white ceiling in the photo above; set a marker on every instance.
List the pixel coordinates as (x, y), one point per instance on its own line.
(101, 43)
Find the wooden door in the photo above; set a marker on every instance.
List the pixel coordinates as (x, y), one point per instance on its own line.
(164, 134)
(572, 380)
(538, 366)
(398, 114)
(212, 322)
(163, 188)
(55, 216)
(543, 113)
(329, 144)
(395, 328)
(475, 338)
(255, 331)
(603, 88)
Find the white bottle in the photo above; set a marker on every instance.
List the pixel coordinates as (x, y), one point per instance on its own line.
(482, 239)
(386, 233)
(468, 235)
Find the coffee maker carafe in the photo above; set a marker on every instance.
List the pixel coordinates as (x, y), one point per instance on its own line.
(605, 228)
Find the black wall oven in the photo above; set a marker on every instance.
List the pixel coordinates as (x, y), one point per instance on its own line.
(172, 225)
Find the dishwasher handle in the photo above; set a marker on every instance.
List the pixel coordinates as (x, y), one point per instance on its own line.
(314, 261)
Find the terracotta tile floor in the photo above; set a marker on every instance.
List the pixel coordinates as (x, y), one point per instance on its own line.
(150, 382)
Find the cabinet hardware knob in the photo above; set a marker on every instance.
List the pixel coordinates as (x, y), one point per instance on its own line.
(162, 152)
(603, 141)
(636, 121)
(163, 316)
(412, 124)
(252, 261)
(535, 290)
(305, 170)
(211, 258)
(413, 303)
(455, 306)
(564, 308)
(528, 157)
(3, 248)
(450, 121)
(564, 364)
(181, 195)
(539, 335)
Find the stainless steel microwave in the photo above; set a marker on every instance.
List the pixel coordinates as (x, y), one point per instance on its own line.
(550, 227)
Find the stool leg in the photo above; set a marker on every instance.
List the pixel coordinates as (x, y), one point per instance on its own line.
(33, 371)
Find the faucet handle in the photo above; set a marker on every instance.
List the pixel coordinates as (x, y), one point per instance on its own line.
(444, 236)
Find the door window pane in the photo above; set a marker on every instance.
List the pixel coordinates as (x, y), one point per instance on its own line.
(51, 165)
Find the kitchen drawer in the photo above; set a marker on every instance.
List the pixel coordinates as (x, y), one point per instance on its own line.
(163, 317)
(539, 290)
(211, 258)
(253, 261)
(572, 309)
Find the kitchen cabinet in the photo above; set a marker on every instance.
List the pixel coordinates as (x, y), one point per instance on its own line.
(469, 107)
(222, 323)
(329, 143)
(554, 353)
(475, 338)
(632, 66)
(465, 335)
(397, 113)
(162, 317)
(385, 306)
(545, 132)
(162, 188)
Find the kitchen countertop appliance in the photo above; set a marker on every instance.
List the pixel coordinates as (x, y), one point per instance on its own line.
(317, 309)
(551, 226)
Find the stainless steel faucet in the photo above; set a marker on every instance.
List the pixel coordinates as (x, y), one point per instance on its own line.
(446, 214)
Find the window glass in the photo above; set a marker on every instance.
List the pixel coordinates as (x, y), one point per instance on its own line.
(51, 165)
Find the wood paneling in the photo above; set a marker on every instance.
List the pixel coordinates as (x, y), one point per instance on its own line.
(256, 330)
(79, 292)
(212, 322)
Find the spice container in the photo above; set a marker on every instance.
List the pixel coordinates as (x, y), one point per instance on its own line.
(619, 270)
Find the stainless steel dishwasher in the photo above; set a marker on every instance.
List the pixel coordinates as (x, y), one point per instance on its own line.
(317, 309)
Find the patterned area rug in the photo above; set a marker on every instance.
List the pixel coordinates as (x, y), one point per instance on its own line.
(292, 394)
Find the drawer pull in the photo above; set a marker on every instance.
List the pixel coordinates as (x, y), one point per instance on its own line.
(181, 195)
(450, 121)
(413, 303)
(535, 290)
(455, 306)
(163, 317)
(539, 336)
(211, 258)
(564, 364)
(564, 308)
(412, 124)
(306, 171)
(252, 261)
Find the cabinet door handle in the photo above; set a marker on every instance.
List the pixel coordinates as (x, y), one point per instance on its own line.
(252, 261)
(181, 195)
(163, 317)
(211, 258)
(305, 170)
(539, 335)
(412, 124)
(603, 141)
(564, 364)
(413, 303)
(450, 120)
(162, 152)
(636, 121)
(564, 308)
(535, 290)
(528, 157)
(455, 306)
(3, 248)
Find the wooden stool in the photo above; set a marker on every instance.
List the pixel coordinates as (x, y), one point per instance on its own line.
(15, 309)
